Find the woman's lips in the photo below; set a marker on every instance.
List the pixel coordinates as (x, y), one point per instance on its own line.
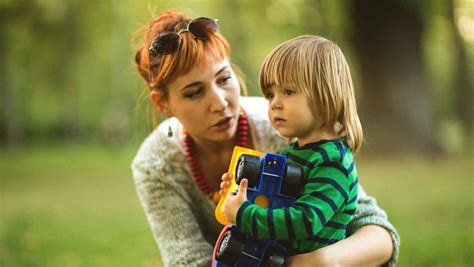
(223, 124)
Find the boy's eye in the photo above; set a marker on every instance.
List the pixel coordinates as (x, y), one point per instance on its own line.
(269, 95)
(288, 91)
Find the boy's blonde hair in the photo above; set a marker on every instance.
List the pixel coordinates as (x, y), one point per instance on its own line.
(318, 67)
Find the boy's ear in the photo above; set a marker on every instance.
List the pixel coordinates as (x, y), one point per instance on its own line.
(160, 102)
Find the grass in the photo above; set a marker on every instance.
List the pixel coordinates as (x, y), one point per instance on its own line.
(77, 206)
(72, 206)
(431, 203)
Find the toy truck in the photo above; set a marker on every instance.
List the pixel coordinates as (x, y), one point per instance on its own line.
(272, 183)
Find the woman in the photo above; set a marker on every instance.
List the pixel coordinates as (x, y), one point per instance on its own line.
(178, 168)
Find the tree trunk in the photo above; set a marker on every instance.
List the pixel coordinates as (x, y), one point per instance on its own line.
(396, 107)
(12, 131)
(462, 83)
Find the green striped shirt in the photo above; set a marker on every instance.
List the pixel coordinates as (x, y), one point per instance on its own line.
(323, 209)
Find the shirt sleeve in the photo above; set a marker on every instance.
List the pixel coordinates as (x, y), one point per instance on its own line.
(175, 228)
(324, 193)
(369, 213)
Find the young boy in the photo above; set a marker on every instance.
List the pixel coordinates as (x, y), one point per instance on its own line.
(311, 100)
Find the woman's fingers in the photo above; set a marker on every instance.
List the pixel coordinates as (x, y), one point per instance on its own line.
(225, 184)
(227, 176)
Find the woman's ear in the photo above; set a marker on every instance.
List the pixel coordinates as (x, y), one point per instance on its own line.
(160, 102)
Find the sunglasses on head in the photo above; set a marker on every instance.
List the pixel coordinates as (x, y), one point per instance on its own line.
(167, 42)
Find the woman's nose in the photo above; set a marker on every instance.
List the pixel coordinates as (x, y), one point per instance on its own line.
(218, 100)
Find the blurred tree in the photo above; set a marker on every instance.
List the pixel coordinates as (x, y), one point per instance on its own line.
(66, 70)
(236, 27)
(40, 41)
(64, 32)
(115, 127)
(396, 103)
(11, 131)
(12, 115)
(462, 83)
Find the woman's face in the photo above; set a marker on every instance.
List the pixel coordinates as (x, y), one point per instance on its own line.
(206, 101)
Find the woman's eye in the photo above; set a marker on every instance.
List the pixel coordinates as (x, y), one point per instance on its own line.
(194, 94)
(225, 79)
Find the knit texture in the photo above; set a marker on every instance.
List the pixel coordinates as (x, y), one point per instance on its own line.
(181, 217)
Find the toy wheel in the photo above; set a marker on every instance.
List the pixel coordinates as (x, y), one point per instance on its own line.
(292, 180)
(230, 247)
(249, 167)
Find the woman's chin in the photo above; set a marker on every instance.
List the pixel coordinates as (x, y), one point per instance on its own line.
(224, 136)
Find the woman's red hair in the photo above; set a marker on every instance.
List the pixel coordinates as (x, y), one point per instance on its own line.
(164, 68)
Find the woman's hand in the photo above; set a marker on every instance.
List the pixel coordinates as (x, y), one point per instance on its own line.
(371, 245)
(316, 258)
(226, 177)
(233, 201)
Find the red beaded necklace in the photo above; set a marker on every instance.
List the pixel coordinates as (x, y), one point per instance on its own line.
(193, 161)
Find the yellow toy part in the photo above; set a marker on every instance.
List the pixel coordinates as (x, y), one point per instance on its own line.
(233, 185)
(262, 201)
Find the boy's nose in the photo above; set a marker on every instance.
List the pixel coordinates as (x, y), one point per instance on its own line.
(275, 104)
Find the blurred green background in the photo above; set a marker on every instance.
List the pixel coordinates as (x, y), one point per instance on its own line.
(72, 119)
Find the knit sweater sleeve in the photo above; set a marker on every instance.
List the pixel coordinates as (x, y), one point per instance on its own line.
(168, 207)
(369, 213)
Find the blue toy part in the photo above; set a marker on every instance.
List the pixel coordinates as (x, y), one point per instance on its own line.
(246, 250)
(266, 176)
(270, 183)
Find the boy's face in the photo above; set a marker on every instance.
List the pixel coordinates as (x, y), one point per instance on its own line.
(290, 113)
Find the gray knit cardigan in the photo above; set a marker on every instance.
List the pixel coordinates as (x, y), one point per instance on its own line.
(182, 218)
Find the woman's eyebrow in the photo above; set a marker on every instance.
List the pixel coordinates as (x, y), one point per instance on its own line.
(191, 85)
(221, 70)
(197, 83)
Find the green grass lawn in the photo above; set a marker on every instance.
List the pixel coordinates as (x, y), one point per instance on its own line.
(77, 206)
(431, 203)
(72, 206)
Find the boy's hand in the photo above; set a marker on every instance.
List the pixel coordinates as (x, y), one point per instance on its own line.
(226, 177)
(233, 201)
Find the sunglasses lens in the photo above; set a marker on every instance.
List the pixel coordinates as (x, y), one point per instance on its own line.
(166, 43)
(202, 27)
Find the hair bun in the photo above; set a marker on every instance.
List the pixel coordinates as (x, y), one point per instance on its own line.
(138, 56)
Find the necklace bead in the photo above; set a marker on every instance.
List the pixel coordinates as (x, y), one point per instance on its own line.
(193, 161)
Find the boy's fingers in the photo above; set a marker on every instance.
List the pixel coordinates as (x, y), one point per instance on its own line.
(243, 188)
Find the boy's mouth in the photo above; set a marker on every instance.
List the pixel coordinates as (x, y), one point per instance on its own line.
(278, 121)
